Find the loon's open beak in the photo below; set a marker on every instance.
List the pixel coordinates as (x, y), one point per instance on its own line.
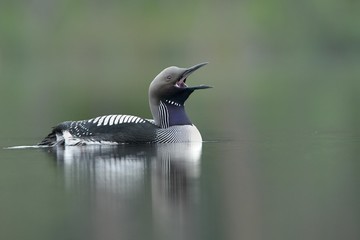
(181, 83)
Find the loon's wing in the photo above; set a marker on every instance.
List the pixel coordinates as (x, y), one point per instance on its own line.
(150, 120)
(104, 129)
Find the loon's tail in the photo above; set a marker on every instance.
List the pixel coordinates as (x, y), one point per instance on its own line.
(52, 139)
(49, 140)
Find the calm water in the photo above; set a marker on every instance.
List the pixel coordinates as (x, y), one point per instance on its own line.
(283, 188)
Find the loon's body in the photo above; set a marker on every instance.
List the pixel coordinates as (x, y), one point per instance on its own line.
(170, 123)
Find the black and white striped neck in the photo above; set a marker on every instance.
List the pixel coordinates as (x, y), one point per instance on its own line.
(172, 113)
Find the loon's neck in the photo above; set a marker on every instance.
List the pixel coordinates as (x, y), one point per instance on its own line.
(169, 113)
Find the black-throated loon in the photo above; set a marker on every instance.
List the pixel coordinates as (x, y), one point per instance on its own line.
(170, 124)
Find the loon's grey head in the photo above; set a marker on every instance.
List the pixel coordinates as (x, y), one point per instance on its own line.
(170, 85)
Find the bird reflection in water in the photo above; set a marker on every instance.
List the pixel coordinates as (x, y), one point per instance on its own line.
(130, 186)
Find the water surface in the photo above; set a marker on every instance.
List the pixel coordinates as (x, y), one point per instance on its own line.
(300, 188)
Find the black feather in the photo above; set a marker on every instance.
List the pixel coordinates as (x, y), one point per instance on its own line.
(86, 130)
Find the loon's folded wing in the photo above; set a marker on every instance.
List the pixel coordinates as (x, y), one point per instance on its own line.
(112, 129)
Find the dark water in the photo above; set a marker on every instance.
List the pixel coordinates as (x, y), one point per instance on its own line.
(299, 188)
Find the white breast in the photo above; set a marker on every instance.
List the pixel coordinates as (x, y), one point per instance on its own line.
(178, 133)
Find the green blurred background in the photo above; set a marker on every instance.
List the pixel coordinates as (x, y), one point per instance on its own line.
(277, 67)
